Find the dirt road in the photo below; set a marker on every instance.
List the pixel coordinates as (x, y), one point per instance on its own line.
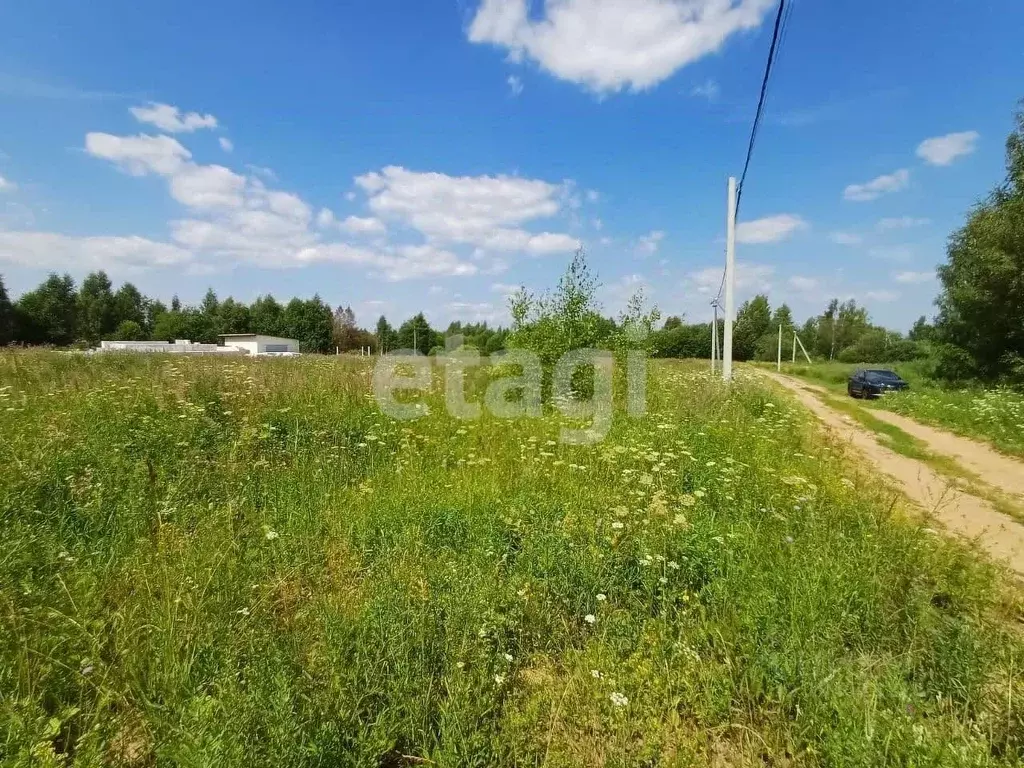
(966, 515)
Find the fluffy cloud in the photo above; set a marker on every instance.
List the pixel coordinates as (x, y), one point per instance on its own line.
(171, 119)
(770, 229)
(393, 263)
(749, 277)
(53, 251)
(515, 84)
(359, 226)
(7, 186)
(326, 219)
(207, 187)
(608, 45)
(901, 222)
(943, 150)
(139, 155)
(845, 238)
(914, 277)
(226, 144)
(649, 243)
(484, 211)
(875, 188)
(233, 218)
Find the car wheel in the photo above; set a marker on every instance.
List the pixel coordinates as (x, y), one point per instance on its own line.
(850, 392)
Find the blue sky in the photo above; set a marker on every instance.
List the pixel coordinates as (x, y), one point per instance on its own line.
(398, 156)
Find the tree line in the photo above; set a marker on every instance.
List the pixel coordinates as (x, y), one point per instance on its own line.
(59, 313)
(843, 331)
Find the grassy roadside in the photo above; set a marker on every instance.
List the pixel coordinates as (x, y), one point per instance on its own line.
(908, 445)
(995, 416)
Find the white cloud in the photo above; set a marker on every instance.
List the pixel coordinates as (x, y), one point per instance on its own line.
(44, 250)
(207, 187)
(139, 155)
(484, 211)
(506, 289)
(749, 277)
(913, 277)
(882, 296)
(593, 195)
(7, 186)
(943, 150)
(404, 262)
(515, 84)
(845, 238)
(875, 188)
(360, 226)
(325, 219)
(171, 119)
(226, 144)
(902, 222)
(608, 45)
(804, 284)
(650, 242)
(709, 90)
(597, 224)
(770, 229)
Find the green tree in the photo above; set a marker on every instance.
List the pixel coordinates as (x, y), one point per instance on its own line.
(311, 322)
(233, 317)
(416, 333)
(129, 330)
(168, 326)
(96, 317)
(47, 315)
(387, 338)
(345, 334)
(153, 309)
(980, 324)
(129, 306)
(922, 330)
(6, 316)
(753, 321)
(673, 321)
(569, 319)
(267, 316)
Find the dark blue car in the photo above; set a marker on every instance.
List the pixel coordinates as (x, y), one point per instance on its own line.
(874, 383)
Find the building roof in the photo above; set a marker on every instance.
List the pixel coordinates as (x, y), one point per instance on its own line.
(252, 336)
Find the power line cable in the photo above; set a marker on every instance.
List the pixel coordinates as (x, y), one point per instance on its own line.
(778, 37)
(780, 16)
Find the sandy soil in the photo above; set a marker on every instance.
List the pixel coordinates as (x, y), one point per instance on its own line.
(968, 516)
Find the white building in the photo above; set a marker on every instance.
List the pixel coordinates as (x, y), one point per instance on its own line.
(258, 344)
(179, 346)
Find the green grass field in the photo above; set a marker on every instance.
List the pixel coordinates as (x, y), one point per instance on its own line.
(232, 562)
(994, 415)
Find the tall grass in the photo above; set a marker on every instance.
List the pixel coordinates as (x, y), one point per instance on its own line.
(243, 562)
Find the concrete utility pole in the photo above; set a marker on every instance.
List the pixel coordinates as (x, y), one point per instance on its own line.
(794, 346)
(778, 366)
(730, 280)
(714, 338)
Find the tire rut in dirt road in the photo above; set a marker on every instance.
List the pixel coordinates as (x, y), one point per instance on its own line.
(969, 516)
(991, 467)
